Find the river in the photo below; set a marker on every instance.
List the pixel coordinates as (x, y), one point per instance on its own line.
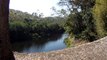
(56, 42)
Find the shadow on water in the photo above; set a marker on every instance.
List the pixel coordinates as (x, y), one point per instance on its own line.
(54, 42)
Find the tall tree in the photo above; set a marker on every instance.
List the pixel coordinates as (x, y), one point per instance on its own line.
(5, 48)
(80, 21)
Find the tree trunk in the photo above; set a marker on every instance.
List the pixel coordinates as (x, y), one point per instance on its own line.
(5, 48)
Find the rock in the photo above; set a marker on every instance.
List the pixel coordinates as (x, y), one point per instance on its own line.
(96, 50)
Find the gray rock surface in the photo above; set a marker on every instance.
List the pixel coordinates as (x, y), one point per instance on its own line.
(96, 50)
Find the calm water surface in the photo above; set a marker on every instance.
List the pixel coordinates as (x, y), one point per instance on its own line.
(56, 42)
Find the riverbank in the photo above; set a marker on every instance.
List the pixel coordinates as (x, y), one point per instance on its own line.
(96, 50)
(71, 42)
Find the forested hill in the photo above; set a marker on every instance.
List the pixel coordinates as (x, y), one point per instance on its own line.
(22, 16)
(33, 26)
(16, 14)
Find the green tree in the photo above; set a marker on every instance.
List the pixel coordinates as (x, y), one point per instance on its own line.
(80, 22)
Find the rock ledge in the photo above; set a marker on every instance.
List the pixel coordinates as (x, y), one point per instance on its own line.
(96, 50)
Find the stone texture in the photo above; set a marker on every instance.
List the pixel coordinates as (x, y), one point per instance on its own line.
(96, 50)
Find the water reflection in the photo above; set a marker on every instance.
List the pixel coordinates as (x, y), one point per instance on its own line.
(54, 42)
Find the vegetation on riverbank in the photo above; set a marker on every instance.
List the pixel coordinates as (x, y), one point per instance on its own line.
(87, 20)
(24, 26)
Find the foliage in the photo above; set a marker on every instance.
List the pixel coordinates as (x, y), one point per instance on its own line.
(100, 16)
(69, 42)
(90, 23)
(80, 23)
(24, 26)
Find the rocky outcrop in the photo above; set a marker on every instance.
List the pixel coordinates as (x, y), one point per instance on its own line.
(96, 50)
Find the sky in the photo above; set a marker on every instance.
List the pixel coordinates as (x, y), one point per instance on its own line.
(30, 6)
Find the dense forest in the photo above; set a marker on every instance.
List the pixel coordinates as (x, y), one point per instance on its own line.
(24, 26)
(87, 19)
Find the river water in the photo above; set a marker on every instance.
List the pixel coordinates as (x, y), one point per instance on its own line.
(56, 42)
